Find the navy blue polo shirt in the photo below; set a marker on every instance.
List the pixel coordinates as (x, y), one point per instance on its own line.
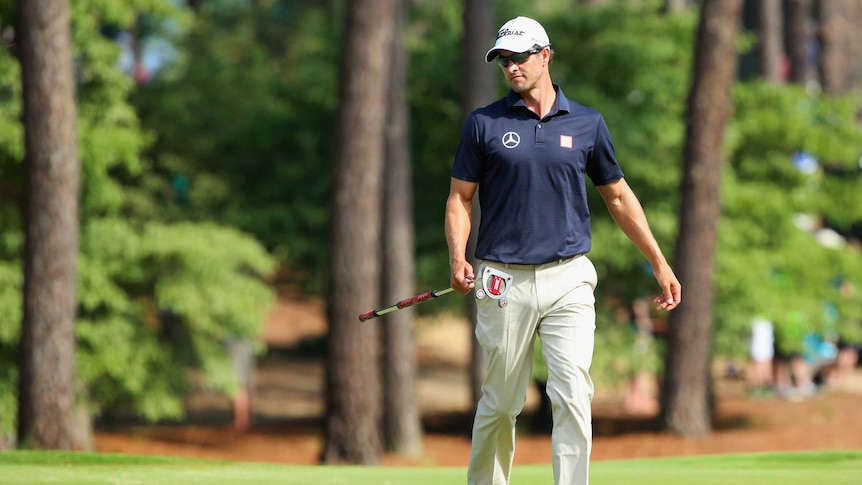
(531, 174)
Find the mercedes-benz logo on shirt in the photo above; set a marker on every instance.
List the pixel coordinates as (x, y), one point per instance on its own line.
(511, 139)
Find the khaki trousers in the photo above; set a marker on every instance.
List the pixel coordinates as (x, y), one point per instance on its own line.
(554, 301)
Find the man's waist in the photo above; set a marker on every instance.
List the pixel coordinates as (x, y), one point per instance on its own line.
(553, 262)
(535, 254)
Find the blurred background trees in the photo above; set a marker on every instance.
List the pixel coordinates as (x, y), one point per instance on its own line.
(156, 295)
(207, 136)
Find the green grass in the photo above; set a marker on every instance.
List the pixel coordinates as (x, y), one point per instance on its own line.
(814, 468)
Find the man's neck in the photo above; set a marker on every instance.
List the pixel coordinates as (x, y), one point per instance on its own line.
(540, 100)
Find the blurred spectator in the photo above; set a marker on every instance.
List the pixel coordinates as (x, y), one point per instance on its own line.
(243, 359)
(793, 378)
(839, 374)
(825, 236)
(819, 353)
(759, 375)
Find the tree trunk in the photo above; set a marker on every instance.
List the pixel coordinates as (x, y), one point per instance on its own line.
(478, 90)
(836, 45)
(797, 17)
(771, 46)
(855, 16)
(676, 6)
(402, 429)
(353, 381)
(46, 399)
(685, 403)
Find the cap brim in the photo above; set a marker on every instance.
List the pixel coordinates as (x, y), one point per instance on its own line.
(512, 45)
(491, 54)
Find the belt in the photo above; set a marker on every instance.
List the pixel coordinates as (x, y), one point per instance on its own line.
(530, 266)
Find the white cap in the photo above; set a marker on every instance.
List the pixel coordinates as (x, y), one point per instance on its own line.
(518, 35)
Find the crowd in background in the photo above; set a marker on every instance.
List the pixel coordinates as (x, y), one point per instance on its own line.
(824, 361)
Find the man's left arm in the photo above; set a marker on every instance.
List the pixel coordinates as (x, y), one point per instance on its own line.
(626, 210)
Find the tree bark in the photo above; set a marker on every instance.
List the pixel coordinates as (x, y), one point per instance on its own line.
(479, 90)
(402, 429)
(798, 15)
(685, 403)
(46, 399)
(353, 410)
(771, 46)
(836, 37)
(855, 41)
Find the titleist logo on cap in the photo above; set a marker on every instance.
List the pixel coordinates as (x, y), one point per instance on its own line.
(505, 32)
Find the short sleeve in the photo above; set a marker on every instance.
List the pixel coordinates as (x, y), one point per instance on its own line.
(602, 166)
(469, 155)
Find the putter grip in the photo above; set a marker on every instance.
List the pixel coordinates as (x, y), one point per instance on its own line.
(367, 316)
(414, 300)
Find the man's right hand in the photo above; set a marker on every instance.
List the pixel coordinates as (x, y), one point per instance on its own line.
(463, 279)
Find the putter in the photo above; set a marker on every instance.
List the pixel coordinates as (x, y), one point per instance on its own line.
(404, 303)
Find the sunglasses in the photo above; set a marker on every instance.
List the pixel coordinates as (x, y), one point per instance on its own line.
(518, 58)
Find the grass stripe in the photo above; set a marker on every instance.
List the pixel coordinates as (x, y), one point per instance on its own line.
(814, 468)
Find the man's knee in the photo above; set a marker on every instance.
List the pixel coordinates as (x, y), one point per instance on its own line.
(495, 411)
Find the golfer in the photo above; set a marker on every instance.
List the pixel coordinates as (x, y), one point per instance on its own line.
(529, 155)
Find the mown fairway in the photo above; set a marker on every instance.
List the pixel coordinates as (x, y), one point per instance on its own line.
(31, 468)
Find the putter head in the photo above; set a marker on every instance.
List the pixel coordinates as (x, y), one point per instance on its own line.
(495, 284)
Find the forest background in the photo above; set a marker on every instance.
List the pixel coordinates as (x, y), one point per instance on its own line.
(206, 150)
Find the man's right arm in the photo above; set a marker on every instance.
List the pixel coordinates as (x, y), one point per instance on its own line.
(459, 207)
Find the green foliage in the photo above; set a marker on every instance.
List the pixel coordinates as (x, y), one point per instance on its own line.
(110, 136)
(159, 301)
(766, 265)
(10, 327)
(11, 153)
(247, 116)
(11, 134)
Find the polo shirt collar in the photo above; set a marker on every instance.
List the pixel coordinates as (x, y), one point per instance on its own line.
(561, 103)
